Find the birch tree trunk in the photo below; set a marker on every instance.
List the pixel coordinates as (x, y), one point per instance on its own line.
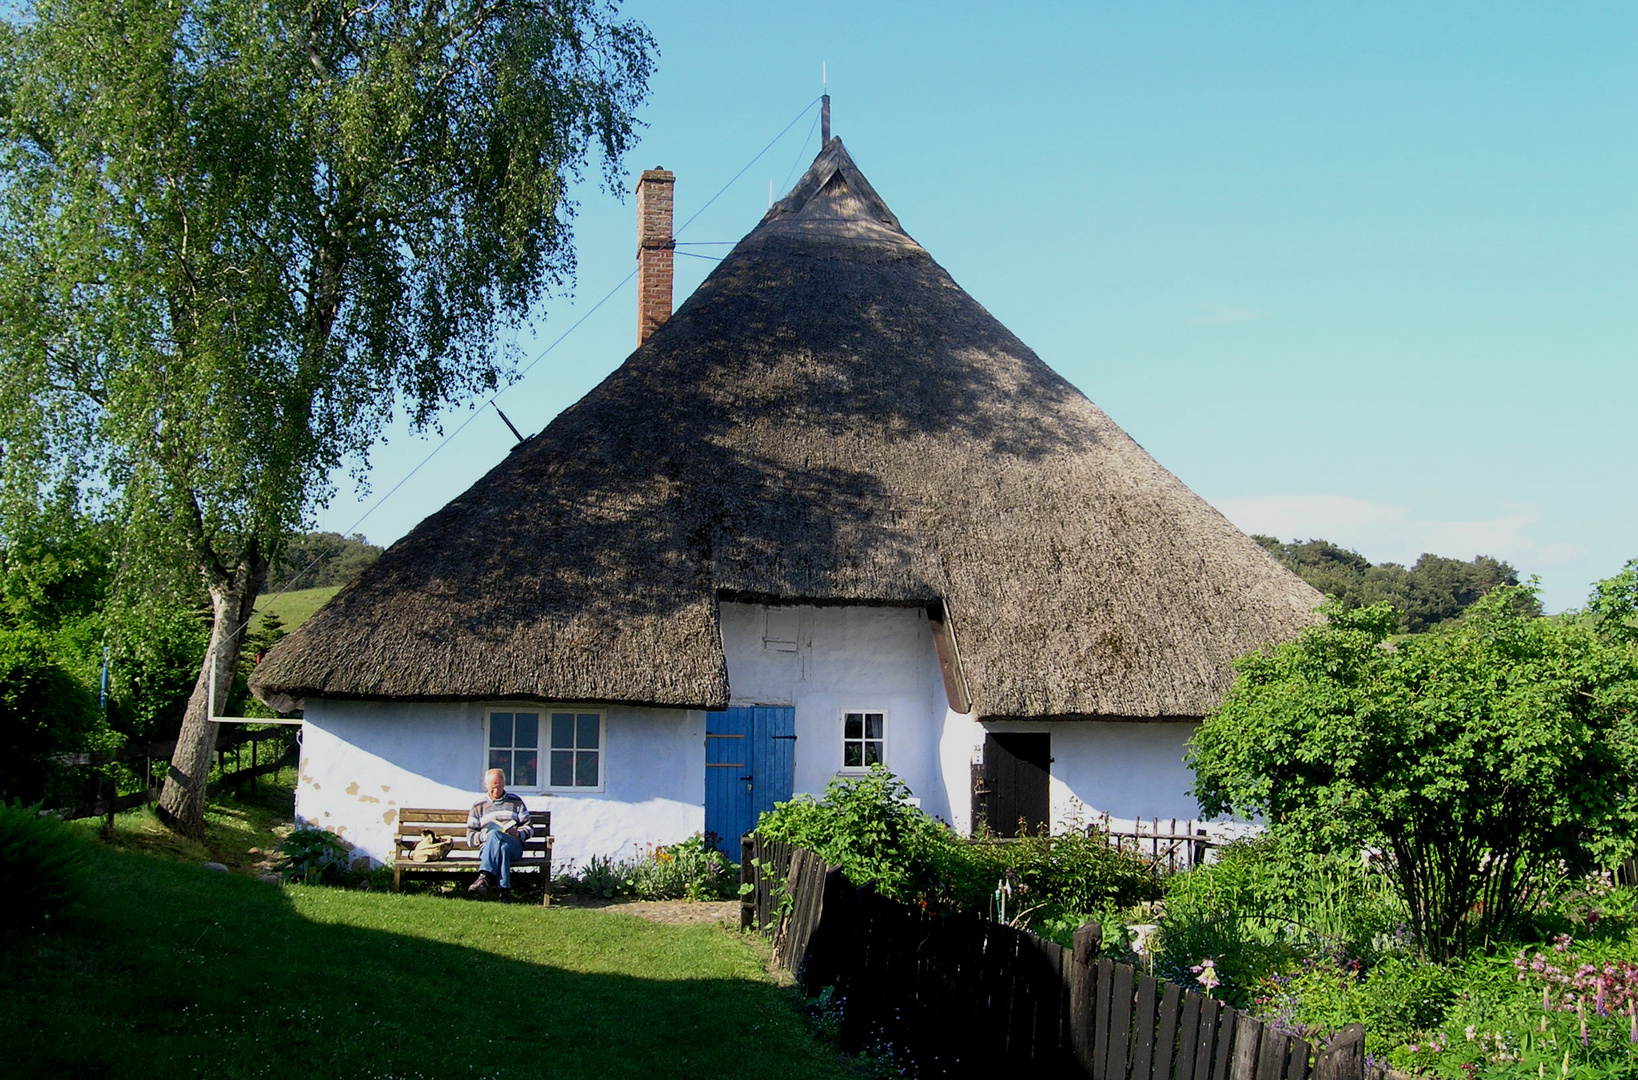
(233, 600)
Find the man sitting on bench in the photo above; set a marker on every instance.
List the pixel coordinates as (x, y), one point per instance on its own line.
(500, 823)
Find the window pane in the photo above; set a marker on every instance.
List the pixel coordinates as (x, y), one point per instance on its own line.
(502, 760)
(562, 768)
(585, 768)
(527, 764)
(873, 753)
(853, 727)
(852, 755)
(526, 730)
(500, 729)
(562, 733)
(873, 725)
(586, 735)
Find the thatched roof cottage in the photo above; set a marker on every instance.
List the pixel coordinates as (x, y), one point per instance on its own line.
(830, 512)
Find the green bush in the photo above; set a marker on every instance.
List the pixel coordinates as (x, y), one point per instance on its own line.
(604, 876)
(314, 855)
(1261, 909)
(1483, 759)
(690, 870)
(43, 710)
(42, 866)
(867, 825)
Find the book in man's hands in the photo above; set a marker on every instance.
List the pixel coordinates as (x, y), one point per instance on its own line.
(503, 827)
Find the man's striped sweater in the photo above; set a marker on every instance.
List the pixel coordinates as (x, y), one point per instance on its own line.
(507, 808)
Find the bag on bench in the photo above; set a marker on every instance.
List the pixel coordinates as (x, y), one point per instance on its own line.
(431, 849)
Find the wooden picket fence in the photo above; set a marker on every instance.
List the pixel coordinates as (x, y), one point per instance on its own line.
(956, 996)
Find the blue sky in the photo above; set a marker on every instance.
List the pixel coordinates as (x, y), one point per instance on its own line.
(1361, 272)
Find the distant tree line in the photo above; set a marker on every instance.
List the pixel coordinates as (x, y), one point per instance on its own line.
(316, 559)
(1435, 590)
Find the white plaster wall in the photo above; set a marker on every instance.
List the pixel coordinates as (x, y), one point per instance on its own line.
(1129, 769)
(362, 760)
(827, 660)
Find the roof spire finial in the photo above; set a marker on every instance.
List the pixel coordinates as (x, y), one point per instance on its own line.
(824, 106)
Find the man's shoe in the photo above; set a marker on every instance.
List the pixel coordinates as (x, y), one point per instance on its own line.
(482, 886)
(505, 896)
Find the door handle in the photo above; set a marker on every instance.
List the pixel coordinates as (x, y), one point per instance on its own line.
(747, 779)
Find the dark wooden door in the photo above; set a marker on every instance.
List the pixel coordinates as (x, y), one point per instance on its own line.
(1013, 788)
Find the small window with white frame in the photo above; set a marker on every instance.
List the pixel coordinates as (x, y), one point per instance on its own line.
(864, 739)
(575, 751)
(514, 745)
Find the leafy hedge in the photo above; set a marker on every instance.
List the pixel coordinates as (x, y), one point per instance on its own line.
(868, 826)
(42, 865)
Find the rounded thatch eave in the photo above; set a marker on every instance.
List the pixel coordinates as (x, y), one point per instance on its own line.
(831, 419)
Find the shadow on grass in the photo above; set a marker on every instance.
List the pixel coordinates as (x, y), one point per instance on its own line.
(174, 971)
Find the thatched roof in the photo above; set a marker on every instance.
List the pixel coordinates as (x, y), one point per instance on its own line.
(828, 419)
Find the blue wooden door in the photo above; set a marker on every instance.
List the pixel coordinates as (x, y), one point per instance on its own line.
(749, 765)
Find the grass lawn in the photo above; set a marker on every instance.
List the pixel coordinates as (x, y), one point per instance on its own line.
(292, 607)
(174, 971)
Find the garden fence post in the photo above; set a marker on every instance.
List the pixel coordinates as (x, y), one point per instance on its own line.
(747, 876)
(1344, 1059)
(1081, 972)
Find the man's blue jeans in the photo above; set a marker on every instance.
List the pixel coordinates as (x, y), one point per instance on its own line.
(499, 851)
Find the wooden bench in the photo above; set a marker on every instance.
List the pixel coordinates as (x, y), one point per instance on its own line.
(462, 860)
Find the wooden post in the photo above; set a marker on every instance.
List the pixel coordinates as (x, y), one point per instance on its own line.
(113, 793)
(1081, 973)
(1344, 1059)
(747, 876)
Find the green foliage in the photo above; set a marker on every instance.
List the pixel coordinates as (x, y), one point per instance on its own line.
(1060, 877)
(1481, 759)
(604, 876)
(320, 559)
(1612, 609)
(866, 825)
(1398, 999)
(692, 869)
(1560, 1006)
(43, 710)
(1261, 908)
(236, 237)
(1434, 591)
(42, 868)
(314, 855)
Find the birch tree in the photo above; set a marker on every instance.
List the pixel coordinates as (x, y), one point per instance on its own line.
(236, 237)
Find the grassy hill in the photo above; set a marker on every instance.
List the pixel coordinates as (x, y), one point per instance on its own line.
(292, 607)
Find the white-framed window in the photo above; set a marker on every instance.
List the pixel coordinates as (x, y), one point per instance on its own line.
(574, 750)
(546, 749)
(513, 740)
(864, 739)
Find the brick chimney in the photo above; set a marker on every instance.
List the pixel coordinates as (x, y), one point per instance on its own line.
(655, 248)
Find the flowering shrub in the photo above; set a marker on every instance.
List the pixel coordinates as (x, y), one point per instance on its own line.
(1603, 994)
(1564, 1007)
(690, 870)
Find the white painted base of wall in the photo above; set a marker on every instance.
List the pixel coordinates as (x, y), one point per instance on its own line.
(362, 760)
